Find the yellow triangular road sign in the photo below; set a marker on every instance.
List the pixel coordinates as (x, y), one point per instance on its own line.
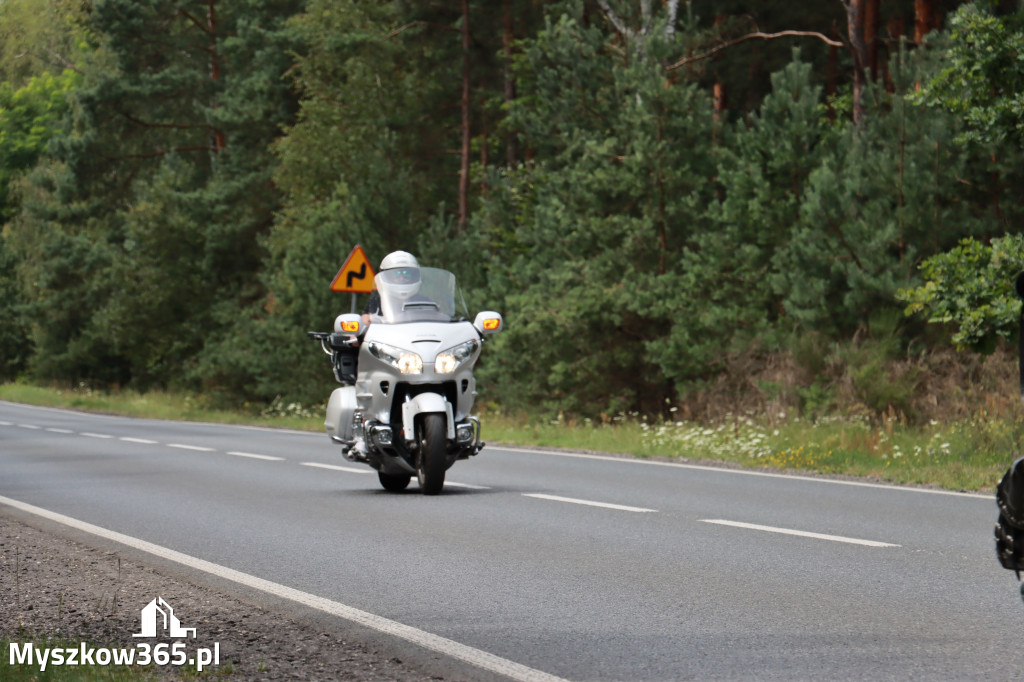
(356, 275)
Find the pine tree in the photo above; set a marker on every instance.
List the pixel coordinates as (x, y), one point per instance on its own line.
(764, 167)
(601, 215)
(144, 223)
(889, 196)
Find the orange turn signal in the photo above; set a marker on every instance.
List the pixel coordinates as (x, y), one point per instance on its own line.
(492, 323)
(350, 326)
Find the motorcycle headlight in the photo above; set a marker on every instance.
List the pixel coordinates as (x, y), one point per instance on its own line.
(410, 363)
(403, 360)
(448, 361)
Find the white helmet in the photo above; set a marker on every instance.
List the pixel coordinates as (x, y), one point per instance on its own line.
(399, 259)
(400, 272)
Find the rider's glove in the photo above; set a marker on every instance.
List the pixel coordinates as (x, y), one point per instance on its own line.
(1009, 545)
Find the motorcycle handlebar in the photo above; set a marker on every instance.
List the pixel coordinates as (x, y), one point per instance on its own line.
(333, 342)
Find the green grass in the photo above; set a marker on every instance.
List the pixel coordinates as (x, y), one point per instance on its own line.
(161, 405)
(968, 455)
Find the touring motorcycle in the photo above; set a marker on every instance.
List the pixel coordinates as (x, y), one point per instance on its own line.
(407, 380)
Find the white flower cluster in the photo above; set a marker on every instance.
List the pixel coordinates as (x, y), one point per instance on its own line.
(278, 409)
(727, 439)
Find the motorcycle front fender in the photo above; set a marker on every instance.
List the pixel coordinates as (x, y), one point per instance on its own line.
(426, 403)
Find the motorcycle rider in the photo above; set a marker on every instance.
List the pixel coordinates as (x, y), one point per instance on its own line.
(402, 273)
(1010, 491)
(403, 269)
(1010, 526)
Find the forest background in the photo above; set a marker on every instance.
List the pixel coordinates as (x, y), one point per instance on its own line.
(683, 209)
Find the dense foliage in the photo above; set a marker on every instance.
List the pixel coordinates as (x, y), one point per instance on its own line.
(644, 189)
(971, 289)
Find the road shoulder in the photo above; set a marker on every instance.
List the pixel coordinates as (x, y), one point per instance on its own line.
(52, 584)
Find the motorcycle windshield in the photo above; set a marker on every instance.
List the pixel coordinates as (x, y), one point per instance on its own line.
(416, 295)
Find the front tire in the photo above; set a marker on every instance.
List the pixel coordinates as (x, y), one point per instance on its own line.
(432, 464)
(395, 483)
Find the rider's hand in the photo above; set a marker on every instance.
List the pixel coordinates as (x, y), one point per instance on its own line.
(1009, 545)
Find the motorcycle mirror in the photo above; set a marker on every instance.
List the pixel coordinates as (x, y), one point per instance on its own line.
(349, 323)
(488, 322)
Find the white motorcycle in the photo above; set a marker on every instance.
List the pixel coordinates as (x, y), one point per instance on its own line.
(406, 410)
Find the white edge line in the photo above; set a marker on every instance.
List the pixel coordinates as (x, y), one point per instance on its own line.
(744, 472)
(251, 455)
(469, 486)
(589, 503)
(32, 427)
(141, 441)
(801, 533)
(88, 434)
(51, 430)
(427, 640)
(334, 467)
(195, 448)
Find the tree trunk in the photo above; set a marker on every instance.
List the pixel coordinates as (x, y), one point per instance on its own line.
(464, 170)
(924, 19)
(511, 146)
(719, 100)
(218, 142)
(871, 36)
(858, 49)
(485, 145)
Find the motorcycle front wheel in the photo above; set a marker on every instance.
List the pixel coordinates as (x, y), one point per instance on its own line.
(431, 460)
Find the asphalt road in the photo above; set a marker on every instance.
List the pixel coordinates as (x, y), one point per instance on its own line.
(580, 567)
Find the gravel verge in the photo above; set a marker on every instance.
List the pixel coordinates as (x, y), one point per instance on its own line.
(55, 586)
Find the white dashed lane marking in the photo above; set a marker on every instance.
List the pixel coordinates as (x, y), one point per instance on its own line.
(317, 465)
(800, 533)
(251, 455)
(589, 503)
(470, 486)
(333, 467)
(194, 448)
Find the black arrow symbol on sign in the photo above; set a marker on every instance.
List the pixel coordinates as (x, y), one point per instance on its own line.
(356, 275)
